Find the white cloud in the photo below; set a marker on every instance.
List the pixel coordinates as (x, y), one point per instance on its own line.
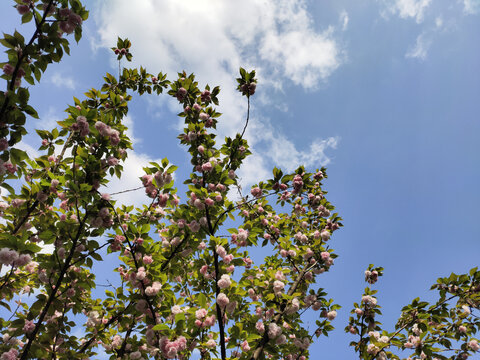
(420, 49)
(48, 121)
(213, 39)
(406, 8)
(62, 80)
(471, 6)
(284, 153)
(344, 19)
(132, 170)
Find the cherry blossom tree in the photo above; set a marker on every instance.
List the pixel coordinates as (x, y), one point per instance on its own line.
(186, 280)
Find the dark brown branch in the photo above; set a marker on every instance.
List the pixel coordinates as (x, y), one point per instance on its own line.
(52, 295)
(11, 85)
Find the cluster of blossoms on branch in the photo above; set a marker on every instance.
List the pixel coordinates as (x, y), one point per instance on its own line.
(182, 286)
(186, 281)
(438, 331)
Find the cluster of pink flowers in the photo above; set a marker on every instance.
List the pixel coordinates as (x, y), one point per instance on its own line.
(7, 167)
(3, 144)
(162, 178)
(202, 320)
(11, 354)
(256, 192)
(222, 300)
(369, 300)
(103, 219)
(331, 315)
(70, 20)
(11, 257)
(297, 184)
(107, 131)
(278, 286)
(240, 239)
(181, 94)
(372, 349)
(248, 88)
(274, 330)
(224, 281)
(29, 326)
(81, 126)
(153, 289)
(302, 343)
(473, 344)
(171, 349)
(205, 96)
(325, 255)
(413, 341)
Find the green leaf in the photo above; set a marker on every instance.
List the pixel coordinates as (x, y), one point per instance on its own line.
(202, 300)
(27, 17)
(31, 111)
(161, 327)
(23, 96)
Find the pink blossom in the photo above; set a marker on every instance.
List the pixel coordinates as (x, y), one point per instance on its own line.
(242, 237)
(204, 270)
(369, 300)
(112, 161)
(227, 258)
(8, 69)
(29, 326)
(207, 167)
(279, 275)
(3, 144)
(22, 260)
(248, 262)
(245, 346)
(194, 226)
(135, 355)
(199, 204)
(224, 281)
(473, 344)
(176, 309)
(200, 314)
(11, 354)
(278, 286)
(222, 300)
(141, 274)
(331, 315)
(274, 330)
(221, 251)
(210, 320)
(205, 96)
(256, 192)
(325, 234)
(8, 256)
(181, 93)
(209, 202)
(325, 255)
(260, 327)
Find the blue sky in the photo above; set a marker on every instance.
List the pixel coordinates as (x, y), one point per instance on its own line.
(384, 93)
